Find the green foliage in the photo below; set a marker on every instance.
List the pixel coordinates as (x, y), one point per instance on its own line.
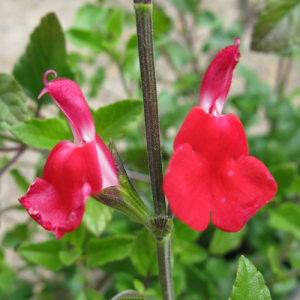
(108, 251)
(13, 108)
(44, 134)
(101, 251)
(249, 283)
(45, 253)
(45, 51)
(278, 27)
(223, 242)
(143, 253)
(287, 217)
(96, 216)
(112, 119)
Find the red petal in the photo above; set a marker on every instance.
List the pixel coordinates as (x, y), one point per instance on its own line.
(217, 79)
(210, 171)
(70, 175)
(239, 189)
(69, 98)
(54, 211)
(109, 172)
(213, 137)
(185, 185)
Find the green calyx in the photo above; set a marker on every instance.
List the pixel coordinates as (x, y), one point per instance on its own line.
(124, 197)
(160, 227)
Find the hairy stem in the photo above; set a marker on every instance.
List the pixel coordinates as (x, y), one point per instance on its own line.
(143, 9)
(146, 55)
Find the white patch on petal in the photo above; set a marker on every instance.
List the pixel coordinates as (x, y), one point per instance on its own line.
(32, 211)
(223, 200)
(230, 173)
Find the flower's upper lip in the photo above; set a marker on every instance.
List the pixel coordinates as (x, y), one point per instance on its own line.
(69, 98)
(217, 79)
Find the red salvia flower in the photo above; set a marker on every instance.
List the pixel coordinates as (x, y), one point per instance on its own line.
(73, 171)
(210, 172)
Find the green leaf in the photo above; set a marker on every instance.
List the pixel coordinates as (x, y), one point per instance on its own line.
(187, 5)
(75, 237)
(278, 27)
(67, 257)
(249, 283)
(287, 217)
(101, 251)
(115, 26)
(96, 81)
(178, 54)
(15, 236)
(223, 242)
(143, 253)
(96, 216)
(284, 175)
(45, 253)
(131, 298)
(89, 294)
(46, 50)
(86, 38)
(90, 17)
(161, 22)
(139, 286)
(192, 254)
(110, 120)
(13, 107)
(20, 180)
(273, 256)
(44, 134)
(184, 233)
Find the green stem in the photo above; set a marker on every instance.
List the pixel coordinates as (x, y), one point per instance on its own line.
(146, 55)
(164, 267)
(143, 9)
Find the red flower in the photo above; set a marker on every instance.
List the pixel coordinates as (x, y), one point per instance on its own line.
(73, 171)
(210, 172)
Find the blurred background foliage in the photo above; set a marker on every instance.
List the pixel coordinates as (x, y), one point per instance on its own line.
(109, 253)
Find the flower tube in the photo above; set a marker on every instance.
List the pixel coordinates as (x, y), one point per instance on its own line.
(73, 171)
(210, 174)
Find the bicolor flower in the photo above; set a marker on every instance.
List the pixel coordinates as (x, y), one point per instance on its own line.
(73, 171)
(210, 174)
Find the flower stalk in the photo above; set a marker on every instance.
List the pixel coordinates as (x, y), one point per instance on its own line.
(143, 10)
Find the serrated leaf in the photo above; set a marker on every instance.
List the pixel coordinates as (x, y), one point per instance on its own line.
(46, 50)
(249, 283)
(13, 107)
(110, 120)
(223, 242)
(67, 257)
(143, 253)
(278, 27)
(114, 248)
(96, 216)
(287, 217)
(43, 134)
(45, 254)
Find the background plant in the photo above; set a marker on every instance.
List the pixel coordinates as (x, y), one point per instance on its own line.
(109, 253)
